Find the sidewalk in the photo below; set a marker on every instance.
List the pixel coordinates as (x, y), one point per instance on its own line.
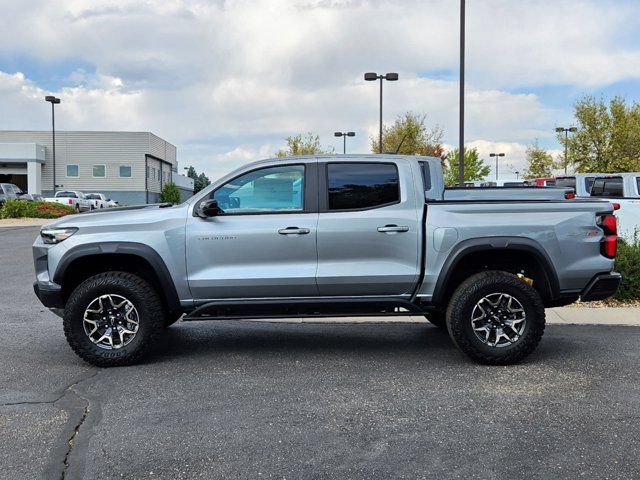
(23, 222)
(629, 316)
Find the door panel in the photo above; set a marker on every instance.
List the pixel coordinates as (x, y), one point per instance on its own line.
(263, 244)
(372, 251)
(245, 256)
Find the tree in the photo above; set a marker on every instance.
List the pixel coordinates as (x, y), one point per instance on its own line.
(202, 182)
(199, 181)
(540, 163)
(409, 136)
(474, 168)
(170, 193)
(608, 136)
(299, 145)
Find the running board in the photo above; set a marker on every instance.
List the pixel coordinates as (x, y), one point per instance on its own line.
(306, 308)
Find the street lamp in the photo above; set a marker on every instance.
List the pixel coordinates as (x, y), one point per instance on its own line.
(53, 100)
(496, 155)
(566, 142)
(370, 77)
(344, 136)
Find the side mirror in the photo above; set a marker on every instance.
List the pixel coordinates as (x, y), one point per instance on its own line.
(208, 208)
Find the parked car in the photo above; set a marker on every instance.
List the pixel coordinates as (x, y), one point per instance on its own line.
(9, 191)
(98, 200)
(624, 190)
(333, 235)
(543, 182)
(73, 198)
(580, 182)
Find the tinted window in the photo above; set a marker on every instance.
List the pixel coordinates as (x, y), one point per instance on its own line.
(551, 183)
(125, 170)
(66, 194)
(99, 171)
(588, 183)
(362, 185)
(272, 189)
(426, 175)
(92, 196)
(566, 182)
(607, 187)
(72, 170)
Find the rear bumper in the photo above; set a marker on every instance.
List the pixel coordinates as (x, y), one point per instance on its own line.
(601, 286)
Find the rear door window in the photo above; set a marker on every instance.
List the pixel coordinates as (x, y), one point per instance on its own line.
(607, 187)
(357, 186)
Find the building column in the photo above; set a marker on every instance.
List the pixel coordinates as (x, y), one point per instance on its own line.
(34, 177)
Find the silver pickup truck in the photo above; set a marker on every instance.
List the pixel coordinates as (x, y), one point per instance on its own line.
(319, 236)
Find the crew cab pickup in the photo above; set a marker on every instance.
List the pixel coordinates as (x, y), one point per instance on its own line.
(624, 190)
(319, 236)
(73, 199)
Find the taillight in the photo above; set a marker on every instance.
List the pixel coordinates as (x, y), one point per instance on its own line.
(609, 244)
(70, 202)
(616, 206)
(570, 195)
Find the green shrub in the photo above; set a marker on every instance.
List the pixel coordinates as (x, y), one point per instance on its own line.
(17, 209)
(22, 208)
(170, 193)
(628, 265)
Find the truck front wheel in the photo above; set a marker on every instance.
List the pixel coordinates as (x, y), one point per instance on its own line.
(112, 319)
(496, 318)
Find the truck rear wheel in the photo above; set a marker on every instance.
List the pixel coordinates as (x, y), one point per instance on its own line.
(112, 319)
(496, 318)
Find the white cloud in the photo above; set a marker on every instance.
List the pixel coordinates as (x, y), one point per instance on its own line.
(227, 81)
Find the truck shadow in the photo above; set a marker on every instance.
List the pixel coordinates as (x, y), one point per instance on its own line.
(216, 339)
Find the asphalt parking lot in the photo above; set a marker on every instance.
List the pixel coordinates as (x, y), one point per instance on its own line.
(269, 400)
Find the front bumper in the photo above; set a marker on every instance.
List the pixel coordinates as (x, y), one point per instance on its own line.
(601, 286)
(49, 294)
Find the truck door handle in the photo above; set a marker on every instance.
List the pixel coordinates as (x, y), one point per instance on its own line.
(392, 229)
(293, 231)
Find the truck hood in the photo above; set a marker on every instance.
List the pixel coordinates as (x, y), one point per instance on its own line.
(121, 215)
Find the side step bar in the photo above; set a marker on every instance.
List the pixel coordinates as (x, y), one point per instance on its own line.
(307, 308)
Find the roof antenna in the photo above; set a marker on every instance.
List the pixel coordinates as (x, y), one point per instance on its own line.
(401, 142)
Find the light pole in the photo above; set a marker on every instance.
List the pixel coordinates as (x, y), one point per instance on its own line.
(496, 155)
(53, 100)
(517, 175)
(566, 142)
(372, 76)
(461, 120)
(344, 136)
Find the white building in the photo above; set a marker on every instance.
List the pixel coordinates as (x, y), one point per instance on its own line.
(130, 167)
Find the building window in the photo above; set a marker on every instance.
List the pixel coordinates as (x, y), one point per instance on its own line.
(125, 171)
(99, 171)
(73, 171)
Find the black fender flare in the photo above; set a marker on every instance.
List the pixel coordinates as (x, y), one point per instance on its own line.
(514, 244)
(141, 250)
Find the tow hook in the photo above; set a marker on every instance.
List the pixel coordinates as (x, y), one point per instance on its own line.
(527, 280)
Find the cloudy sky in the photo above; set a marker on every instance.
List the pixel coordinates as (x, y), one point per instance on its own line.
(227, 81)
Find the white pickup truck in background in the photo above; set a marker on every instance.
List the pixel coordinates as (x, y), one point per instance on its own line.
(580, 182)
(72, 198)
(623, 189)
(98, 200)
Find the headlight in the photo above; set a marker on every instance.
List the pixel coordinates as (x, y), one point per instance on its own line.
(56, 235)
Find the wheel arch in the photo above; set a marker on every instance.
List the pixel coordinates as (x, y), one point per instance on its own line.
(468, 256)
(83, 261)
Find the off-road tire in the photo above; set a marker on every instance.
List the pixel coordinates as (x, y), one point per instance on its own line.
(437, 318)
(141, 294)
(464, 300)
